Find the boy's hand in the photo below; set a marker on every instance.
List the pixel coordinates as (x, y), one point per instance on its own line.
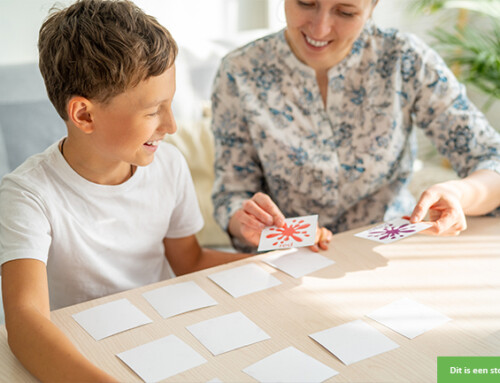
(256, 213)
(323, 238)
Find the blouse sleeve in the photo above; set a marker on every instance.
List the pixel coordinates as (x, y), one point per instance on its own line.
(238, 172)
(442, 109)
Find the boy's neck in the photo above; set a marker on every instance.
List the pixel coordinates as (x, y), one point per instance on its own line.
(98, 177)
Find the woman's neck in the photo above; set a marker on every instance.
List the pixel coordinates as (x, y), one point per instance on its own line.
(322, 80)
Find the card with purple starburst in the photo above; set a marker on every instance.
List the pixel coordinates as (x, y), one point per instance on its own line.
(392, 231)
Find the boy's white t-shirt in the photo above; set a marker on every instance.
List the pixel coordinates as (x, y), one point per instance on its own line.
(96, 239)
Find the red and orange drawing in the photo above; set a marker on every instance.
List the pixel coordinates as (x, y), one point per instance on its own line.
(295, 231)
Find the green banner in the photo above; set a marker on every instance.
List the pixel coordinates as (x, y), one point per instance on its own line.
(468, 369)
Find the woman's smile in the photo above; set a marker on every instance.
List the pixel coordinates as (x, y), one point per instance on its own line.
(315, 44)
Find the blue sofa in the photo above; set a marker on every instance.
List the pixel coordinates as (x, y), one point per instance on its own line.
(28, 121)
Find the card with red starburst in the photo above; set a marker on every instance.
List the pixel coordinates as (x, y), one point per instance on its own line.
(394, 230)
(296, 232)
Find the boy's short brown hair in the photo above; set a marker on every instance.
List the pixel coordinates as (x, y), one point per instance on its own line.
(98, 49)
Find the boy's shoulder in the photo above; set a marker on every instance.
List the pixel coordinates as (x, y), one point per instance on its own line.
(34, 167)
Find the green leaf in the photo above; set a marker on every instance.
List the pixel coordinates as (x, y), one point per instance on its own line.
(476, 53)
(487, 7)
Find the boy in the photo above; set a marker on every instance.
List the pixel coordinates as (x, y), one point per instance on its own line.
(109, 207)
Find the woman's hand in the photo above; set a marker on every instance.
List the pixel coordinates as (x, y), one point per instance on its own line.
(255, 214)
(448, 202)
(442, 204)
(323, 238)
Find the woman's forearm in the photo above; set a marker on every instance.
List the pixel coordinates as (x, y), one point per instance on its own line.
(479, 193)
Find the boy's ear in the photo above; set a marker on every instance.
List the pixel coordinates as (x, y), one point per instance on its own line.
(79, 112)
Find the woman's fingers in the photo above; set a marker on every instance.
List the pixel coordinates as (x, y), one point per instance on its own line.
(262, 207)
(251, 223)
(255, 214)
(447, 222)
(445, 212)
(323, 238)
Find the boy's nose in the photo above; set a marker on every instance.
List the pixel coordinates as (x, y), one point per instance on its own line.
(167, 123)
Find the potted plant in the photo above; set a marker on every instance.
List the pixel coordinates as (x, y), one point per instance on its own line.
(472, 47)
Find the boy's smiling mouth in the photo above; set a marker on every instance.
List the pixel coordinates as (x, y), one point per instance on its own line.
(152, 145)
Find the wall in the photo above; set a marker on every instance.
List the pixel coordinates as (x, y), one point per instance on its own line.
(213, 20)
(188, 20)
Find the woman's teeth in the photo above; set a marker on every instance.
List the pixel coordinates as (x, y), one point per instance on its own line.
(153, 143)
(315, 43)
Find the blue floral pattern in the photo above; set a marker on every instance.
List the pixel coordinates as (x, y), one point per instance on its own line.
(348, 161)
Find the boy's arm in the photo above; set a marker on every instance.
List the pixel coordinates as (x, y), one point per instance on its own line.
(186, 256)
(37, 342)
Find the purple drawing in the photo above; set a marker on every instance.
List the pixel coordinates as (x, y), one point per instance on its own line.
(391, 231)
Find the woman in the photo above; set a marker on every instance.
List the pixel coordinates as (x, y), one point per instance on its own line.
(318, 119)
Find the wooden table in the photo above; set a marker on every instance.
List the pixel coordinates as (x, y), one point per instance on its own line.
(458, 276)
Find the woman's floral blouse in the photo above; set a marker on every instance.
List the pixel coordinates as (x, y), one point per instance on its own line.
(349, 161)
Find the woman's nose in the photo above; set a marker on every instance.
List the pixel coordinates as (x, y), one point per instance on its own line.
(321, 24)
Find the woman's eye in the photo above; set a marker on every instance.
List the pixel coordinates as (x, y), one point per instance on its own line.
(345, 14)
(305, 4)
(152, 114)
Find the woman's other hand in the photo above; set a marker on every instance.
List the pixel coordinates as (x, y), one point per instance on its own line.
(256, 213)
(323, 238)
